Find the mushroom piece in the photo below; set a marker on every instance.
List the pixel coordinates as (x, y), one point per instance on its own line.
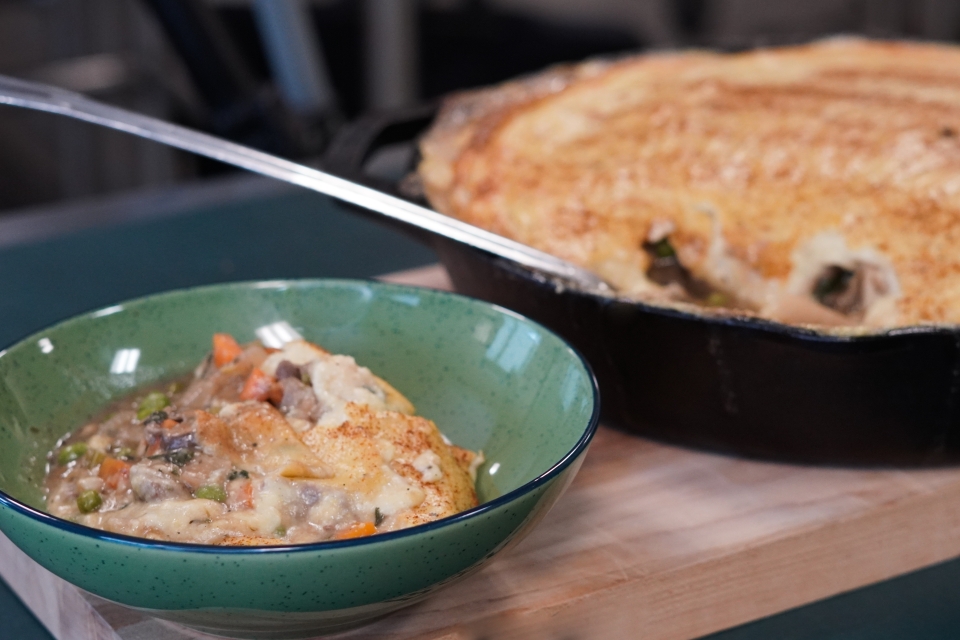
(851, 291)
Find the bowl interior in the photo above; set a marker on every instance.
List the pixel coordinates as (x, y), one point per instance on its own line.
(490, 379)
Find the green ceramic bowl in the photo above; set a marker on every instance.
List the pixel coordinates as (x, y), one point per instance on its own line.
(490, 379)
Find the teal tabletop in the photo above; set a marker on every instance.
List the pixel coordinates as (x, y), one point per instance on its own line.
(62, 261)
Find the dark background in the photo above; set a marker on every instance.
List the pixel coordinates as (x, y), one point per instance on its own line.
(122, 52)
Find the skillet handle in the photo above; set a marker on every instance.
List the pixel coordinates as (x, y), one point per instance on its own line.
(357, 141)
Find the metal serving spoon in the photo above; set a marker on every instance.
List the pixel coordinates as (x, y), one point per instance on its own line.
(42, 97)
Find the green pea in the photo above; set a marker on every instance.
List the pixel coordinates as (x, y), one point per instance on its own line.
(89, 501)
(211, 492)
(71, 452)
(152, 402)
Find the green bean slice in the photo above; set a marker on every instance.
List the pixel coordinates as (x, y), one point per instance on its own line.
(71, 452)
(95, 457)
(211, 492)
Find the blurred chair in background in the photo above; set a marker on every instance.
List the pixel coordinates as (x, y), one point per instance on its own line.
(236, 104)
(108, 48)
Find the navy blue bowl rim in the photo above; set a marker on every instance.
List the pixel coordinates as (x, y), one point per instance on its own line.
(568, 458)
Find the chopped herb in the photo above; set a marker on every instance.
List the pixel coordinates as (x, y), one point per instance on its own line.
(237, 473)
(663, 249)
(71, 452)
(174, 388)
(156, 417)
(377, 517)
(281, 531)
(211, 492)
(304, 377)
(89, 501)
(179, 457)
(153, 402)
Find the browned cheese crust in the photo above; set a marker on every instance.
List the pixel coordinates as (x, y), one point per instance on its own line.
(763, 169)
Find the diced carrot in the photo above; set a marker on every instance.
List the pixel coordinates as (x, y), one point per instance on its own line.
(357, 530)
(169, 423)
(276, 393)
(246, 496)
(258, 386)
(239, 494)
(113, 471)
(225, 349)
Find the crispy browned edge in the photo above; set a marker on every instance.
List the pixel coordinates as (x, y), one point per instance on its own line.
(468, 118)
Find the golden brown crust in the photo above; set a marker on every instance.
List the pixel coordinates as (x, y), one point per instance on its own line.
(411, 437)
(466, 460)
(752, 158)
(360, 447)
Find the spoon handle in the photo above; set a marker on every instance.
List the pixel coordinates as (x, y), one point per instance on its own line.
(41, 97)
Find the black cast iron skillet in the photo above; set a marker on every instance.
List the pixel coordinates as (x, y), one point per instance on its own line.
(740, 385)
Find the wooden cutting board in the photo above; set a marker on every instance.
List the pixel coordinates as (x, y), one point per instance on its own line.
(650, 540)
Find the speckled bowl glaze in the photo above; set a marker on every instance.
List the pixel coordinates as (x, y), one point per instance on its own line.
(491, 380)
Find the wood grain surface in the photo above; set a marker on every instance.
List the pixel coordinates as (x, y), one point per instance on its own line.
(650, 540)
